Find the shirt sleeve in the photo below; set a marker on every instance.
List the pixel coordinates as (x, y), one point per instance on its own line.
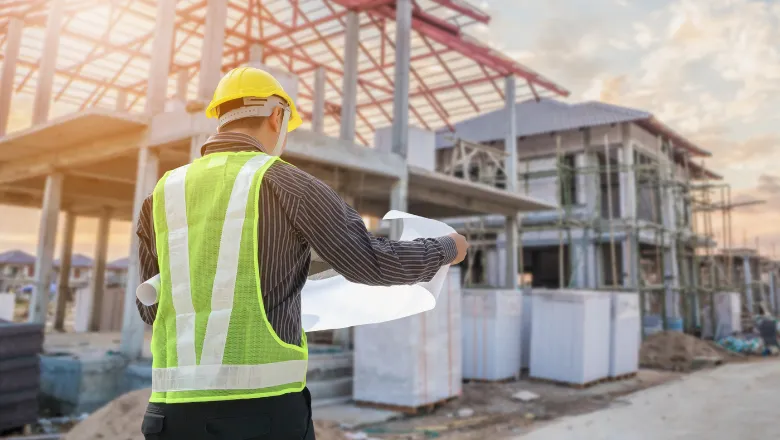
(337, 233)
(147, 257)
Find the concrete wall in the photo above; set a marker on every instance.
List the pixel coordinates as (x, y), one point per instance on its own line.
(544, 188)
(545, 144)
(613, 133)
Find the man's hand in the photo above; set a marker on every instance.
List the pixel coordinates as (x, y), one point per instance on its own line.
(462, 245)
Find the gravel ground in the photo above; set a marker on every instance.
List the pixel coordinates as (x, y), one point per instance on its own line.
(736, 401)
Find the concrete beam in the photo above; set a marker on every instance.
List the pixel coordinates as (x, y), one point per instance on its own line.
(97, 287)
(48, 64)
(213, 46)
(132, 326)
(318, 112)
(13, 41)
(349, 83)
(63, 288)
(88, 153)
(44, 257)
(160, 64)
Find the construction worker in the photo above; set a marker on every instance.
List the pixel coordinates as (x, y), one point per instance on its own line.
(231, 237)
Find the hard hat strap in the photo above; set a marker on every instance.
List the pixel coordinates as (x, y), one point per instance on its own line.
(277, 151)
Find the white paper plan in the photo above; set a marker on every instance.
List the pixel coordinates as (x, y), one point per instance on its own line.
(333, 303)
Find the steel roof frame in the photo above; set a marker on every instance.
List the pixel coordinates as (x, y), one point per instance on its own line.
(448, 67)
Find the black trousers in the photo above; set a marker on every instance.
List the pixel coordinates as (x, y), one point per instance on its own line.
(285, 417)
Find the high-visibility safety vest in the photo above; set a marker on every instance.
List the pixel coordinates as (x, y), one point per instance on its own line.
(212, 339)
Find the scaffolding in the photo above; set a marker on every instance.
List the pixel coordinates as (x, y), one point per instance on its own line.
(659, 241)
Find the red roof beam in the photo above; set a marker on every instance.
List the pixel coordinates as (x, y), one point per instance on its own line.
(477, 52)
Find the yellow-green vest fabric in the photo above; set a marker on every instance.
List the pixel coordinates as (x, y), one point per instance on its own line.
(212, 339)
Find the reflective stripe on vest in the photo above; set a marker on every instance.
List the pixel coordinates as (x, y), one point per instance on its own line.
(210, 373)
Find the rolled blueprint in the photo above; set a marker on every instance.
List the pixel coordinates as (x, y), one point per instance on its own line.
(334, 302)
(149, 291)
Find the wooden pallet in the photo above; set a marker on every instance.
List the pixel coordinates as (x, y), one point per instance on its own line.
(582, 386)
(410, 410)
(506, 380)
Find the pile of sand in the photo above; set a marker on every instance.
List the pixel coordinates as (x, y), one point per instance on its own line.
(675, 351)
(121, 420)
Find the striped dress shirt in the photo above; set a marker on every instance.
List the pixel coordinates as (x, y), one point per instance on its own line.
(301, 213)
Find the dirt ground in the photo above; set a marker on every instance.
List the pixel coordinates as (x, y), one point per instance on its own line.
(488, 411)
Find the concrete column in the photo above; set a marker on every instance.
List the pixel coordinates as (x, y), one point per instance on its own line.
(492, 268)
(13, 41)
(512, 248)
(773, 291)
(501, 259)
(318, 112)
(64, 276)
(159, 66)
(213, 45)
(403, 50)
(399, 201)
(627, 181)
(349, 84)
(97, 287)
(400, 129)
(255, 56)
(132, 326)
(182, 85)
(630, 251)
(671, 274)
(44, 257)
(748, 284)
(512, 225)
(48, 65)
(121, 101)
(510, 139)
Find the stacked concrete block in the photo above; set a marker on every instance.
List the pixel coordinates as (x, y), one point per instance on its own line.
(492, 322)
(625, 334)
(20, 345)
(570, 335)
(414, 361)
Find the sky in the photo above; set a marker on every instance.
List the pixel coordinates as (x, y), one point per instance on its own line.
(708, 68)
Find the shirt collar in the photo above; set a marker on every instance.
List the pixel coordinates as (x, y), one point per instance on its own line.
(230, 142)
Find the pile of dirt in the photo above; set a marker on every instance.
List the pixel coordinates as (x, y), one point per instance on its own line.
(675, 351)
(121, 420)
(328, 431)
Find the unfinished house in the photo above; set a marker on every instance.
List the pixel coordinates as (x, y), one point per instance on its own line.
(624, 185)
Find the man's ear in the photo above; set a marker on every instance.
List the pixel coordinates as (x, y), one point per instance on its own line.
(276, 119)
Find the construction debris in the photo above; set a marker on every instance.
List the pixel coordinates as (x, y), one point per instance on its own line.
(525, 396)
(119, 420)
(675, 351)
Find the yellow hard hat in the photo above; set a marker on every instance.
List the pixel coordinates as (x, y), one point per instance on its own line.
(250, 82)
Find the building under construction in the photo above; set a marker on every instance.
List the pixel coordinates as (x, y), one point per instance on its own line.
(635, 208)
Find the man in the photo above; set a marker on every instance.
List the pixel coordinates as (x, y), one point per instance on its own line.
(231, 236)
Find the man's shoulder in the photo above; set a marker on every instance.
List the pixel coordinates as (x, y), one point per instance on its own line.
(288, 178)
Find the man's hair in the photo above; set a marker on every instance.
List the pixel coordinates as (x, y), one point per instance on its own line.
(251, 122)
